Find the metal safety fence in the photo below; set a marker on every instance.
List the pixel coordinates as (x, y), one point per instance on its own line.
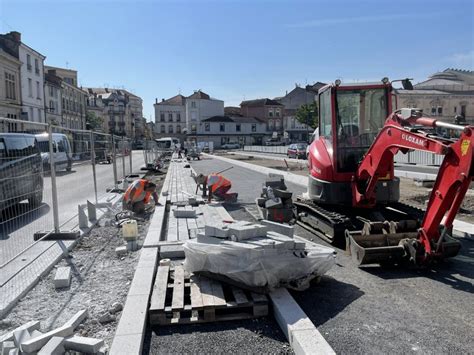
(412, 157)
(46, 171)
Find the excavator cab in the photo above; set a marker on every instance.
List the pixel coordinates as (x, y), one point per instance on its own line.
(350, 117)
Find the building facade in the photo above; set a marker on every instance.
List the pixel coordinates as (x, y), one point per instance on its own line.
(31, 76)
(269, 111)
(200, 106)
(73, 98)
(296, 131)
(10, 93)
(231, 129)
(53, 98)
(170, 117)
(444, 95)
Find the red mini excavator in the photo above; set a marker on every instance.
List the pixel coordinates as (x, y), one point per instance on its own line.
(352, 190)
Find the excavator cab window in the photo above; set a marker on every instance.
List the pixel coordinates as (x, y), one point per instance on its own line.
(360, 115)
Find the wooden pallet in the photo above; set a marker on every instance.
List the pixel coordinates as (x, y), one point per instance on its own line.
(179, 298)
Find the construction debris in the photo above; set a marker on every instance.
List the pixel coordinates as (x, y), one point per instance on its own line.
(256, 258)
(276, 203)
(27, 339)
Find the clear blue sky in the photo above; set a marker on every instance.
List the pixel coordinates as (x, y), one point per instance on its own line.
(235, 50)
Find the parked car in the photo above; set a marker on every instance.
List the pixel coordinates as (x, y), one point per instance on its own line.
(297, 150)
(61, 149)
(274, 141)
(20, 170)
(230, 145)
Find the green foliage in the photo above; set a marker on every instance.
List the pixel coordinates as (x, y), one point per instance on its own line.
(308, 114)
(92, 121)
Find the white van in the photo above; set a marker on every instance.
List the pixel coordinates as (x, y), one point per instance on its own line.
(167, 143)
(61, 149)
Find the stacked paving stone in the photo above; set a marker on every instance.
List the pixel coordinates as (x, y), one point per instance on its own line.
(28, 339)
(275, 201)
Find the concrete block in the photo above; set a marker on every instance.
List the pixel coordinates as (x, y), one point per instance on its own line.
(132, 245)
(122, 250)
(77, 319)
(171, 251)
(133, 318)
(275, 203)
(266, 243)
(7, 346)
(30, 326)
(34, 344)
(299, 245)
(55, 346)
(309, 342)
(279, 227)
(261, 201)
(219, 230)
(243, 232)
(62, 277)
(83, 344)
(20, 336)
(36, 333)
(127, 344)
(184, 213)
(14, 352)
(288, 243)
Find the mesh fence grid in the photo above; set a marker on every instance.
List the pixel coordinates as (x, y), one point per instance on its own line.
(86, 165)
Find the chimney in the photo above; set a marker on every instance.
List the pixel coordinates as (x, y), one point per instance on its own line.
(15, 36)
(163, 100)
(156, 100)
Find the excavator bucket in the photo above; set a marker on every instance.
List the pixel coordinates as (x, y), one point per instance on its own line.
(381, 242)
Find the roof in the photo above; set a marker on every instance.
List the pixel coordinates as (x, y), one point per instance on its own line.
(234, 119)
(260, 102)
(450, 76)
(199, 95)
(178, 100)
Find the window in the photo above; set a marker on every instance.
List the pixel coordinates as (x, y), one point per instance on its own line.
(433, 111)
(170, 129)
(28, 62)
(31, 115)
(463, 111)
(325, 114)
(178, 129)
(193, 104)
(277, 112)
(40, 118)
(270, 112)
(51, 91)
(440, 111)
(237, 127)
(193, 128)
(455, 109)
(254, 127)
(170, 117)
(162, 117)
(38, 93)
(37, 69)
(207, 127)
(193, 116)
(30, 87)
(163, 128)
(51, 106)
(178, 117)
(10, 87)
(222, 127)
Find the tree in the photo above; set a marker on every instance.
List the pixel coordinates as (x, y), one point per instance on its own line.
(308, 114)
(93, 122)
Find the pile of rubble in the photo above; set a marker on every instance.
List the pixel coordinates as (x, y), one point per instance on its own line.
(276, 202)
(259, 257)
(28, 339)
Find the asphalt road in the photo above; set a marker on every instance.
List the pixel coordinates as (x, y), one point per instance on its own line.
(75, 187)
(375, 310)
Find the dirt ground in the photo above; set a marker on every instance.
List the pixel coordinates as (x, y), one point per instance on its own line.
(409, 193)
(103, 280)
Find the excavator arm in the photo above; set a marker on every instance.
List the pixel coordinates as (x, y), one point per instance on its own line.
(453, 179)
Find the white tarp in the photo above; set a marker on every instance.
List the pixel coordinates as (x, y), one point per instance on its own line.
(257, 266)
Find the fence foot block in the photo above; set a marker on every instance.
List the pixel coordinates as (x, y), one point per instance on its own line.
(65, 235)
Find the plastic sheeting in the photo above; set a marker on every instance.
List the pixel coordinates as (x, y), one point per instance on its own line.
(255, 266)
